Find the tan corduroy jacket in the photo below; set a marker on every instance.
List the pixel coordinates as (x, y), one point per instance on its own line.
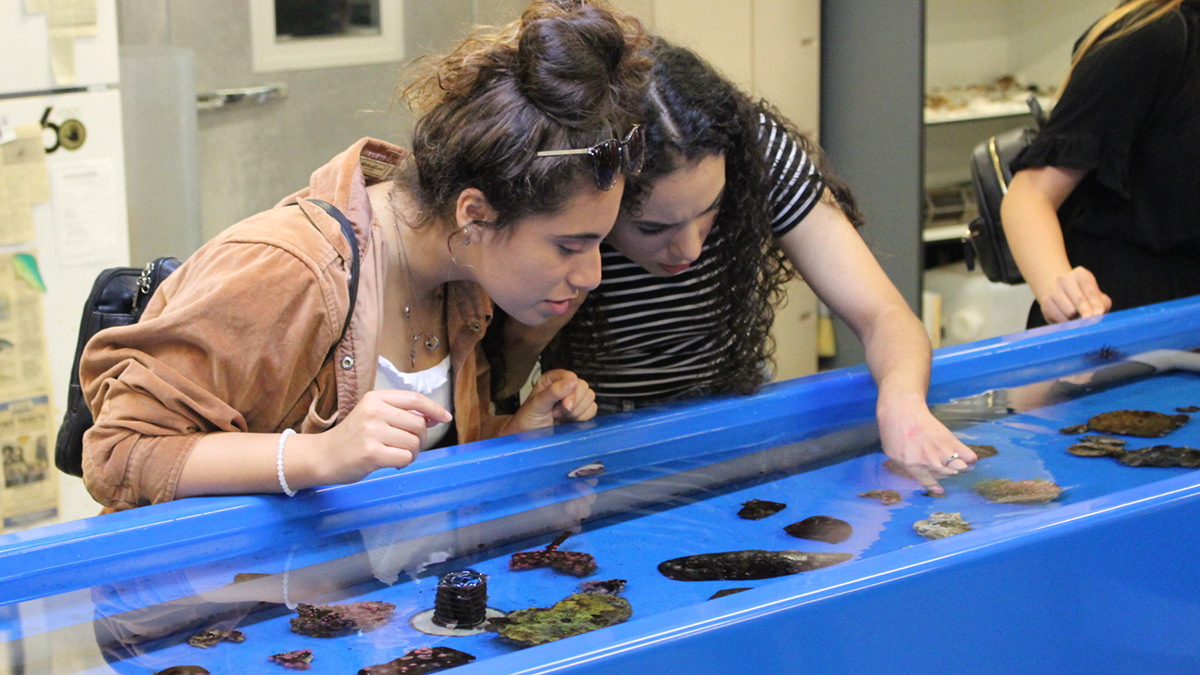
(242, 338)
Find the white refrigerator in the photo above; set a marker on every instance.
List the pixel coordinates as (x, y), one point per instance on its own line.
(62, 220)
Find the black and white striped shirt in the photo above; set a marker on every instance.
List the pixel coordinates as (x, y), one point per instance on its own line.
(662, 340)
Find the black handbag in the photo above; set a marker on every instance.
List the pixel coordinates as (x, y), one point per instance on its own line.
(985, 242)
(118, 298)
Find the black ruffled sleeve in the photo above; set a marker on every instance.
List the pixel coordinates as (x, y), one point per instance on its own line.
(1113, 90)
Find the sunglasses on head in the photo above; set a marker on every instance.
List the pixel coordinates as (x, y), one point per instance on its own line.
(608, 157)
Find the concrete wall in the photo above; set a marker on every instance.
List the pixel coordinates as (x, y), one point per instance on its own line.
(253, 155)
(872, 127)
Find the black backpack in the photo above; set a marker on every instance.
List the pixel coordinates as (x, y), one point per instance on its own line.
(118, 298)
(991, 174)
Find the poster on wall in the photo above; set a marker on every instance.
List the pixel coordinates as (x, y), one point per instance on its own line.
(29, 490)
(29, 485)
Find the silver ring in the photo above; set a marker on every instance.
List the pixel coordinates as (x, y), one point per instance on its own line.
(949, 459)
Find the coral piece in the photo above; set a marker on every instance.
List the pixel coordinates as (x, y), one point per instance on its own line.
(320, 621)
(1098, 446)
(1104, 440)
(334, 620)
(301, 659)
(983, 451)
(1142, 423)
(366, 615)
(184, 670)
(941, 525)
(746, 565)
(210, 638)
(423, 660)
(1095, 450)
(1005, 491)
(461, 600)
(1188, 409)
(587, 470)
(574, 615)
(1074, 429)
(935, 495)
(570, 562)
(726, 591)
(821, 528)
(1161, 456)
(757, 509)
(611, 586)
(888, 497)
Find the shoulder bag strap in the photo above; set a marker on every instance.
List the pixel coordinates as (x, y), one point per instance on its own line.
(348, 231)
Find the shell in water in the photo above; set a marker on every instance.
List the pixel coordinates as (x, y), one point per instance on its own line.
(593, 469)
(757, 509)
(1143, 423)
(1005, 491)
(888, 497)
(745, 565)
(821, 528)
(942, 524)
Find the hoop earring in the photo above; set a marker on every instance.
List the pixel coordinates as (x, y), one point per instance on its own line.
(466, 235)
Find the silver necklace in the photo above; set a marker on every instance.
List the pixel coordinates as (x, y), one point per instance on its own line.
(431, 340)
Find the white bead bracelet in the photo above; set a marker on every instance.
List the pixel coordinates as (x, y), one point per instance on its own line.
(279, 463)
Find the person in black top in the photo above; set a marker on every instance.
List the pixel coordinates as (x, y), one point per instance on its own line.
(1103, 212)
(731, 203)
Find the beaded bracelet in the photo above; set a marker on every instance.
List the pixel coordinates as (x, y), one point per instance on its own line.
(279, 463)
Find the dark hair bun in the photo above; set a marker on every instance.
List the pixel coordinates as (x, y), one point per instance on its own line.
(567, 61)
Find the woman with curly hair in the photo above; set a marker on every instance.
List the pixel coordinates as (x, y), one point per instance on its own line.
(732, 202)
(257, 336)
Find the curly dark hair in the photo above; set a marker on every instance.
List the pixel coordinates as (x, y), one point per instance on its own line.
(691, 112)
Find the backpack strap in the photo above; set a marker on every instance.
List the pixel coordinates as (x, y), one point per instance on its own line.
(348, 231)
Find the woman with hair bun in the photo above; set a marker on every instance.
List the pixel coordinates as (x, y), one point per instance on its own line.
(732, 202)
(245, 375)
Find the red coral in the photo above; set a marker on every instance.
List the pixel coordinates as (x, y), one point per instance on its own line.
(571, 562)
(423, 660)
(334, 620)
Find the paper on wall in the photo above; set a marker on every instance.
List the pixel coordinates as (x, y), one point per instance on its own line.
(24, 364)
(29, 485)
(65, 21)
(24, 181)
(28, 482)
(84, 201)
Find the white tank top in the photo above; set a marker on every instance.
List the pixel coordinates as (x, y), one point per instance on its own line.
(434, 382)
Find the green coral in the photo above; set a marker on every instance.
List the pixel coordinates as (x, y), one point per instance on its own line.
(574, 615)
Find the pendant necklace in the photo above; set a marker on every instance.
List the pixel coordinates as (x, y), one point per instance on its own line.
(431, 340)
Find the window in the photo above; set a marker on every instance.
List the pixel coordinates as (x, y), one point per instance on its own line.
(306, 34)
